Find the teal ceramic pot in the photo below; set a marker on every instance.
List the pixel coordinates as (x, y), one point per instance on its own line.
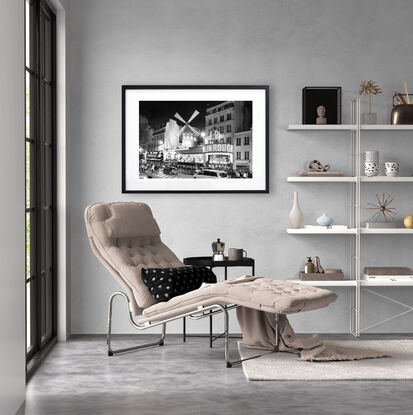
(324, 220)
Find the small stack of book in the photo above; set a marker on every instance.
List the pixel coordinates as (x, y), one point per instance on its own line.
(387, 274)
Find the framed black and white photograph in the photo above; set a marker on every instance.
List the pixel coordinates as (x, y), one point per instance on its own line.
(211, 139)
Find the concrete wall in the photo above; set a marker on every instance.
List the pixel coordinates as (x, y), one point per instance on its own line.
(12, 216)
(286, 44)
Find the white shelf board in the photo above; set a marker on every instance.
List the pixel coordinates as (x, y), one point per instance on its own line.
(348, 127)
(327, 127)
(379, 283)
(340, 283)
(387, 127)
(353, 283)
(342, 179)
(349, 179)
(388, 231)
(376, 179)
(321, 231)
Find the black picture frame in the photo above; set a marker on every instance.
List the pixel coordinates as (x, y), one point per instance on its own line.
(263, 161)
(328, 96)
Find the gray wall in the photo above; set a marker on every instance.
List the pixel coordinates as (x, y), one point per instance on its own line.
(286, 44)
(12, 328)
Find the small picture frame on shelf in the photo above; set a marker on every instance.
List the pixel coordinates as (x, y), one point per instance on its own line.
(322, 105)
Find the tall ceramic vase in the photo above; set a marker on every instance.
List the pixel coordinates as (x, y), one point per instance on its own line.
(296, 215)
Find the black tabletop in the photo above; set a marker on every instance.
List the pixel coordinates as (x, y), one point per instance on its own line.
(207, 261)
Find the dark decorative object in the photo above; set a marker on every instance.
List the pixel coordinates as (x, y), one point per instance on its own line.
(403, 112)
(166, 283)
(328, 97)
(195, 139)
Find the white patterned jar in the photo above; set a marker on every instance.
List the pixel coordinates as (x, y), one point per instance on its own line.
(391, 168)
(371, 168)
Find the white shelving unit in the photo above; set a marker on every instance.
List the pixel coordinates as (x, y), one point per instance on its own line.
(350, 179)
(385, 179)
(386, 231)
(327, 127)
(386, 127)
(355, 180)
(342, 283)
(349, 127)
(379, 283)
(297, 179)
(321, 231)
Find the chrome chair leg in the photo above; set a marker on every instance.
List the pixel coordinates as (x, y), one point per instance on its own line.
(226, 345)
(112, 352)
(201, 312)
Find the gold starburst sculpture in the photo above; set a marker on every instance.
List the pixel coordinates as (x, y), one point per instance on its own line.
(383, 208)
(369, 88)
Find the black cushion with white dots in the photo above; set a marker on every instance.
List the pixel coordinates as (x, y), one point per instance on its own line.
(166, 283)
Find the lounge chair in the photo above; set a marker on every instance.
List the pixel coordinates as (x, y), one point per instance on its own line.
(126, 238)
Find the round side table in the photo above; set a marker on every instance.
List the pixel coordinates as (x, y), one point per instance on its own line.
(207, 261)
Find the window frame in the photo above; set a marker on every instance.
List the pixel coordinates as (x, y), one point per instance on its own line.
(42, 179)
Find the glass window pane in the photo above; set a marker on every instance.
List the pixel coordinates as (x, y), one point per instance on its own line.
(48, 113)
(28, 104)
(28, 232)
(48, 50)
(28, 314)
(28, 9)
(28, 178)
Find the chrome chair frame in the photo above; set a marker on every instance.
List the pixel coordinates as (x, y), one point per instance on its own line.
(199, 313)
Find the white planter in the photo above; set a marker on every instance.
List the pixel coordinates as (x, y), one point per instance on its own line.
(392, 168)
(371, 168)
(296, 215)
(370, 118)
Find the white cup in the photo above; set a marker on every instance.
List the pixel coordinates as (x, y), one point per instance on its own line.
(391, 168)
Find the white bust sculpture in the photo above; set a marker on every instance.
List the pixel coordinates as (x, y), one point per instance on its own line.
(321, 112)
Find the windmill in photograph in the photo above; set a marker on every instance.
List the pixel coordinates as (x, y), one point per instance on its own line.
(189, 134)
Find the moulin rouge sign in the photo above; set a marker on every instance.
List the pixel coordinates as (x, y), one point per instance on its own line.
(218, 148)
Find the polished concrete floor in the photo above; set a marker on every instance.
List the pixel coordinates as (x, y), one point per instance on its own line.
(189, 378)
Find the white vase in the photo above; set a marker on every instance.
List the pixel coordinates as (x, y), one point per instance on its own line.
(296, 215)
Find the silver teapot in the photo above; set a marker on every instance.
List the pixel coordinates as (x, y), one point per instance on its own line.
(218, 248)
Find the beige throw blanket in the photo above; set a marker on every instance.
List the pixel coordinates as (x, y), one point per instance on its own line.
(258, 329)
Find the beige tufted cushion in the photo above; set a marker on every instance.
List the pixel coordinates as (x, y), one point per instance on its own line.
(125, 237)
(274, 296)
